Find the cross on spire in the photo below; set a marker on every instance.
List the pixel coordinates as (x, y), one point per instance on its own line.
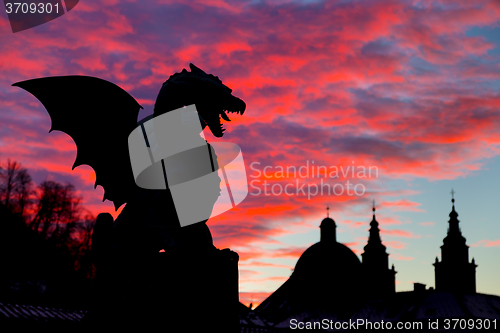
(452, 196)
(374, 237)
(327, 211)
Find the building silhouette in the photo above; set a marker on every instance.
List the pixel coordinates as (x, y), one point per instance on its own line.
(326, 271)
(454, 273)
(331, 283)
(382, 280)
(336, 294)
(330, 277)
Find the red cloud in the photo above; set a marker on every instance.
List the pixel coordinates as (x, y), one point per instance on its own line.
(290, 252)
(253, 297)
(264, 264)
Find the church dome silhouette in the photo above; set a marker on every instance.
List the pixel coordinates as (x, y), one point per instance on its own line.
(322, 257)
(327, 221)
(328, 259)
(327, 276)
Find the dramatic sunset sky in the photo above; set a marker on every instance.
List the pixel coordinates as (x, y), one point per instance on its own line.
(410, 88)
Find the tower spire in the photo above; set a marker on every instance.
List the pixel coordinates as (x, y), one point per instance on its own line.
(454, 229)
(374, 230)
(455, 259)
(327, 211)
(376, 262)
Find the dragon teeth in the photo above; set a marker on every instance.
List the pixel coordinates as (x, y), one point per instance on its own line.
(224, 116)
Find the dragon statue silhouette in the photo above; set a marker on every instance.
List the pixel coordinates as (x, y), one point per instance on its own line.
(99, 116)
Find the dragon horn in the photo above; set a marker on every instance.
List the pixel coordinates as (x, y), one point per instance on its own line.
(195, 69)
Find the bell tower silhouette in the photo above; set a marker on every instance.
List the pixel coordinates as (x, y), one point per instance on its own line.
(381, 279)
(455, 273)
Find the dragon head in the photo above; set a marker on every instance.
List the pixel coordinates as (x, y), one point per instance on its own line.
(212, 98)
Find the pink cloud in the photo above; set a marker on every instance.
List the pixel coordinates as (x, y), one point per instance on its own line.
(487, 243)
(399, 233)
(395, 244)
(290, 252)
(397, 256)
(253, 297)
(403, 205)
(426, 223)
(264, 264)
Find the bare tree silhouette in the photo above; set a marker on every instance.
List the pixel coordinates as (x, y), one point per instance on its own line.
(16, 186)
(23, 192)
(44, 227)
(58, 208)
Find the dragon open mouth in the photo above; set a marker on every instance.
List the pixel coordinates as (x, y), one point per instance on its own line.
(212, 98)
(214, 120)
(223, 115)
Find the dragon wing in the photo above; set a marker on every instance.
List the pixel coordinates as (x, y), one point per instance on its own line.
(99, 116)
